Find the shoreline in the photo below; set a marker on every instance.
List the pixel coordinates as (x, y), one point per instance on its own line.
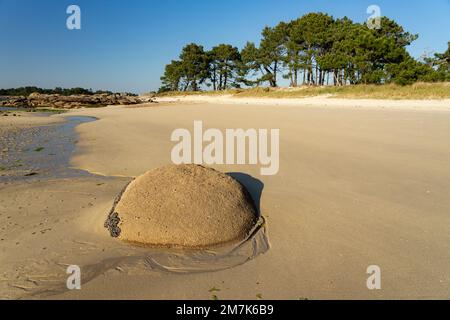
(39, 150)
(25, 120)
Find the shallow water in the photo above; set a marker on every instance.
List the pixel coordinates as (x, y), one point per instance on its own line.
(40, 152)
(12, 109)
(35, 112)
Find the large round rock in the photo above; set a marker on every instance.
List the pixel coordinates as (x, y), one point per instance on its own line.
(183, 206)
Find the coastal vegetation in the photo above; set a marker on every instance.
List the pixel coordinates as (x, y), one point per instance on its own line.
(418, 91)
(314, 50)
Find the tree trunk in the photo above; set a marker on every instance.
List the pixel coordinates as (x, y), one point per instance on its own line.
(225, 81)
(214, 78)
(317, 80)
(275, 74)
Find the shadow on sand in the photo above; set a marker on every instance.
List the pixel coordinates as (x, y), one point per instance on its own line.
(254, 187)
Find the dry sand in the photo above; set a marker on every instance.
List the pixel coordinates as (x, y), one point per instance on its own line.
(317, 101)
(356, 187)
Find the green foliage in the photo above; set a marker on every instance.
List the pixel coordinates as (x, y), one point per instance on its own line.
(224, 64)
(194, 66)
(187, 73)
(172, 77)
(441, 65)
(316, 46)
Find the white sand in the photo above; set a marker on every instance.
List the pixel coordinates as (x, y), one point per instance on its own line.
(318, 101)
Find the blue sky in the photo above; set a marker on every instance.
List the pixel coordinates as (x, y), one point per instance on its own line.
(124, 45)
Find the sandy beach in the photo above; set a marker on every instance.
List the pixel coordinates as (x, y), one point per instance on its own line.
(360, 183)
(317, 101)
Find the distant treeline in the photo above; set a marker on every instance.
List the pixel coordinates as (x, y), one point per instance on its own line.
(315, 49)
(26, 91)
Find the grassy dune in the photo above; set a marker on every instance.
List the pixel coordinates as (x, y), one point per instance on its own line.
(391, 91)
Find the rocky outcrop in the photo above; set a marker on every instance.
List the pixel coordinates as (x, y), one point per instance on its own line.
(36, 100)
(19, 101)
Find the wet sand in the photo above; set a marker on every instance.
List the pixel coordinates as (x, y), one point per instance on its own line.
(40, 150)
(356, 187)
(9, 122)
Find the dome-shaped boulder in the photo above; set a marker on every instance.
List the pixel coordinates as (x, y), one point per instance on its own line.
(188, 206)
